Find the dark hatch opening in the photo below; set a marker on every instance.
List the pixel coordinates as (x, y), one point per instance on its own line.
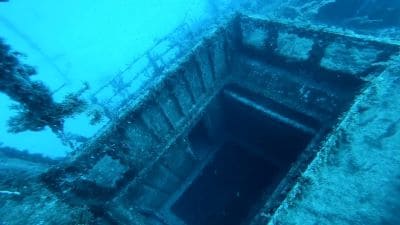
(256, 151)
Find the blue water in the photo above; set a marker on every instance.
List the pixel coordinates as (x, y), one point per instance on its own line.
(71, 42)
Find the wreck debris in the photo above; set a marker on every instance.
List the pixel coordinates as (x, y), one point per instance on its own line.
(35, 105)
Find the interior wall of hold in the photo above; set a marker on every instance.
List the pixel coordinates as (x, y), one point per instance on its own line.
(254, 152)
(226, 189)
(262, 133)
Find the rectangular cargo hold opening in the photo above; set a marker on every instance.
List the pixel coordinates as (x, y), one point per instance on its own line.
(222, 137)
(248, 144)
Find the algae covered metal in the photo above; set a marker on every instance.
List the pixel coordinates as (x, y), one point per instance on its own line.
(256, 100)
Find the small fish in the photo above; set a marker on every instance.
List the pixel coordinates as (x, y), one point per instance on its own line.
(150, 213)
(13, 193)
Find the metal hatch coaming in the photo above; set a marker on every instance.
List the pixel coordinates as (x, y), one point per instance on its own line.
(149, 139)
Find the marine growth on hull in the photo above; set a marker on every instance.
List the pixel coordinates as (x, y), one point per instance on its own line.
(262, 121)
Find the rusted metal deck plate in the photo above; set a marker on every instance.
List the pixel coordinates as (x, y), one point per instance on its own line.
(134, 158)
